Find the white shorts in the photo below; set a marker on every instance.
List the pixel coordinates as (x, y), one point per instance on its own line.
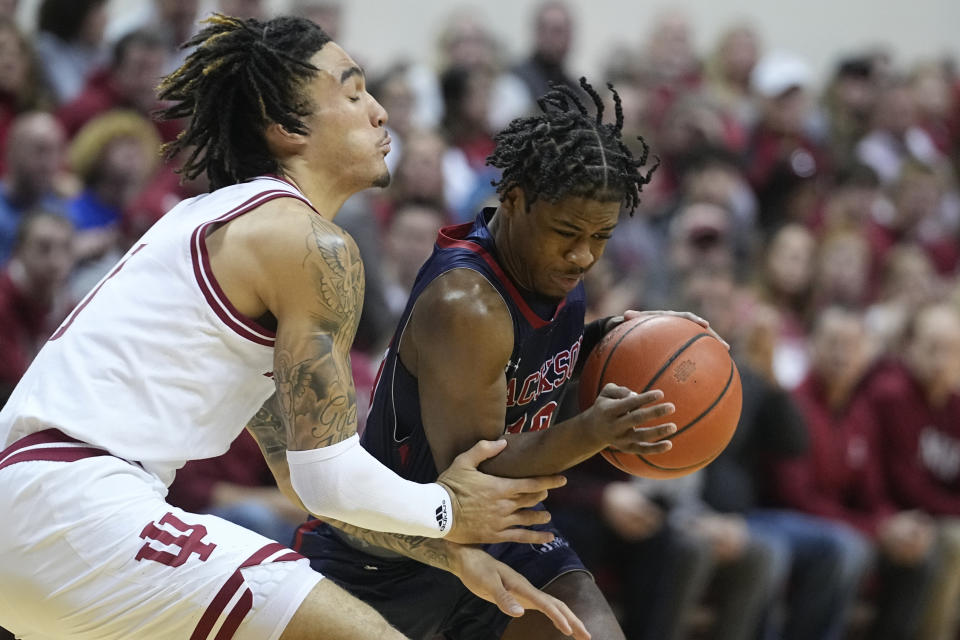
(89, 549)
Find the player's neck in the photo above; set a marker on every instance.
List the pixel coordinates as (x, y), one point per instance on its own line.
(326, 196)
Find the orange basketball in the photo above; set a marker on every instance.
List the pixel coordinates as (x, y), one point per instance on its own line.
(695, 372)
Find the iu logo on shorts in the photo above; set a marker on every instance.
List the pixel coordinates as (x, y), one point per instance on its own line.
(189, 543)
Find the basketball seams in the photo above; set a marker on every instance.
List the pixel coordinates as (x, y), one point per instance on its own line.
(671, 359)
(613, 349)
(706, 411)
(616, 454)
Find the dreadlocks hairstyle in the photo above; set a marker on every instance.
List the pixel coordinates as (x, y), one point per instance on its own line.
(243, 75)
(567, 152)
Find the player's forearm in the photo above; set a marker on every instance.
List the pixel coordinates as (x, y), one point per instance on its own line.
(432, 551)
(268, 430)
(547, 452)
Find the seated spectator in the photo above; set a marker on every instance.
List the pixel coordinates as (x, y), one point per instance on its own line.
(113, 155)
(658, 551)
(785, 164)
(33, 294)
(407, 243)
(69, 44)
(786, 284)
(237, 486)
(553, 28)
(21, 86)
(907, 282)
(848, 104)
(727, 73)
(815, 561)
(173, 21)
(841, 477)
(129, 82)
(841, 272)
(32, 179)
(466, 128)
(917, 404)
(895, 135)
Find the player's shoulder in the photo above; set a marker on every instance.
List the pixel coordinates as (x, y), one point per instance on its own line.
(286, 229)
(462, 304)
(463, 293)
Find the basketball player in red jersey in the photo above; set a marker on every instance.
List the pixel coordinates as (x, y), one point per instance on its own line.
(243, 297)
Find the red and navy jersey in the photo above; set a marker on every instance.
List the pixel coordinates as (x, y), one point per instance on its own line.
(546, 342)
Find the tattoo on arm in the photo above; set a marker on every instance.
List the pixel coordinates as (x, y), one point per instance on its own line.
(315, 394)
(431, 551)
(268, 431)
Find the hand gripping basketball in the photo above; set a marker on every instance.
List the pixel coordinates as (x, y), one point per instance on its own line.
(489, 509)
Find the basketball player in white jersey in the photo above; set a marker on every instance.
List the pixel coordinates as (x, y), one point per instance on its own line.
(238, 307)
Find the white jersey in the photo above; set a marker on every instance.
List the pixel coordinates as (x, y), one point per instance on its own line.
(155, 365)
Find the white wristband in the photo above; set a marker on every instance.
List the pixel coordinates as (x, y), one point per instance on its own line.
(343, 481)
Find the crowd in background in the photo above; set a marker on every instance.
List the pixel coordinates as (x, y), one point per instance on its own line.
(815, 222)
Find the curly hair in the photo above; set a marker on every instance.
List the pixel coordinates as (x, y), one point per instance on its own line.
(565, 151)
(243, 75)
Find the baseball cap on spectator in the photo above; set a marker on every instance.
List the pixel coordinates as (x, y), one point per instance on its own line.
(778, 72)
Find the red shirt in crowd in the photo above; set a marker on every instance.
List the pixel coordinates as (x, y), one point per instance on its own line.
(841, 477)
(25, 325)
(99, 96)
(921, 444)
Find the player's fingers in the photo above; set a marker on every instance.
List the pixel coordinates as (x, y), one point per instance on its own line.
(527, 500)
(537, 484)
(654, 433)
(649, 413)
(615, 391)
(479, 452)
(560, 614)
(528, 517)
(647, 448)
(524, 536)
(507, 603)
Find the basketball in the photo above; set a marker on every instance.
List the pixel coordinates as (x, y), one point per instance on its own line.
(694, 371)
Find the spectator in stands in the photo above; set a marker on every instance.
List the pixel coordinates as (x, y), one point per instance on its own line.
(784, 163)
(727, 73)
(917, 404)
(34, 158)
(552, 39)
(69, 44)
(113, 155)
(813, 567)
(907, 282)
(849, 101)
(407, 243)
(129, 82)
(841, 272)
(21, 88)
(33, 296)
(668, 67)
(841, 477)
(786, 283)
(173, 21)
(895, 135)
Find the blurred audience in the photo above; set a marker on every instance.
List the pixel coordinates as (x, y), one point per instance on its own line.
(69, 44)
(32, 178)
(33, 294)
(128, 82)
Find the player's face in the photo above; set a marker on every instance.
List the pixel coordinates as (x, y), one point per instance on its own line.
(557, 243)
(347, 136)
